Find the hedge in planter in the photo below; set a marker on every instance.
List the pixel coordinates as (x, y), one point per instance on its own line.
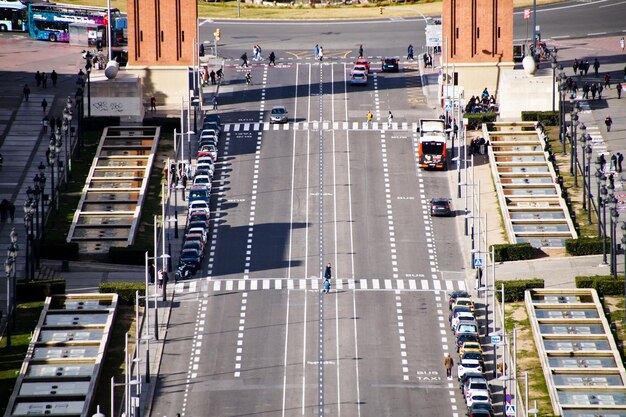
(513, 252)
(475, 120)
(514, 290)
(603, 284)
(125, 290)
(38, 290)
(584, 246)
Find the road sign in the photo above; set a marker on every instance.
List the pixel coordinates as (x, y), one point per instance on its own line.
(508, 398)
(510, 410)
(478, 262)
(526, 14)
(495, 340)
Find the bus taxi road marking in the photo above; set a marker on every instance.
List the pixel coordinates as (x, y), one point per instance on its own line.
(405, 198)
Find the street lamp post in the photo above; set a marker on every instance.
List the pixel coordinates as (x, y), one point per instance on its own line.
(588, 153)
(604, 200)
(614, 219)
(583, 140)
(600, 179)
(573, 150)
(52, 160)
(28, 224)
(9, 269)
(623, 227)
(554, 66)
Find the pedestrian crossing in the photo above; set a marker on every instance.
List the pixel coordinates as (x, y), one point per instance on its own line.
(370, 284)
(317, 125)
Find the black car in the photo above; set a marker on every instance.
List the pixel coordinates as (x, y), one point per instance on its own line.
(390, 64)
(465, 337)
(212, 118)
(467, 376)
(190, 257)
(440, 207)
(480, 410)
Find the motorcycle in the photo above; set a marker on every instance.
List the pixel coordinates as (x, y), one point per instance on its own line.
(183, 271)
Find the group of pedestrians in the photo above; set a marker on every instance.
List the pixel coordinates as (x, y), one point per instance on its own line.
(7, 210)
(319, 52)
(615, 162)
(41, 81)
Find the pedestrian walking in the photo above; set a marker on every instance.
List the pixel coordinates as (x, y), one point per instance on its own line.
(151, 271)
(608, 122)
(607, 80)
(316, 50)
(620, 159)
(214, 102)
(575, 66)
(587, 65)
(183, 179)
(326, 286)
(272, 58)
(244, 60)
(44, 105)
(38, 79)
(26, 91)
(600, 89)
(622, 43)
(12, 211)
(321, 53)
(390, 118)
(409, 53)
(45, 123)
(586, 89)
(594, 90)
(160, 278)
(596, 66)
(328, 273)
(619, 89)
(54, 77)
(448, 362)
(44, 80)
(4, 210)
(602, 162)
(370, 116)
(360, 51)
(153, 103)
(212, 77)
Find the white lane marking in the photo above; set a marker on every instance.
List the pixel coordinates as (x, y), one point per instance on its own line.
(285, 355)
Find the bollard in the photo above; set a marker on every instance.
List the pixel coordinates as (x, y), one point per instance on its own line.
(381, 9)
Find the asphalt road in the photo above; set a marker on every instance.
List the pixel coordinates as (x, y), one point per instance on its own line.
(391, 36)
(255, 336)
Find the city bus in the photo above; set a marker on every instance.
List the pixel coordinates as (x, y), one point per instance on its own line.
(13, 16)
(433, 148)
(49, 21)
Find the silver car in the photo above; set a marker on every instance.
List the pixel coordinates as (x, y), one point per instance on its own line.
(278, 114)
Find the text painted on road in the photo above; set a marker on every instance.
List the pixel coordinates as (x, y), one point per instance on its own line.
(318, 362)
(428, 376)
(322, 194)
(237, 200)
(414, 275)
(405, 198)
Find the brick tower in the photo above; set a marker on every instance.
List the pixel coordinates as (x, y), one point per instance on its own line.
(161, 32)
(477, 42)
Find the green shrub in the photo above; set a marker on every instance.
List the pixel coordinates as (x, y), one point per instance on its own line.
(584, 246)
(39, 290)
(475, 120)
(62, 251)
(514, 290)
(512, 252)
(547, 118)
(128, 255)
(125, 291)
(603, 284)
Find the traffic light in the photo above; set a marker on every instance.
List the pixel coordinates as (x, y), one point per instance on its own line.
(218, 34)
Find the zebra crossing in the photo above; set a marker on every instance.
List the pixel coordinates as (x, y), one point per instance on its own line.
(317, 125)
(370, 284)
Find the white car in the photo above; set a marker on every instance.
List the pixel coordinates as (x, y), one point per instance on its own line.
(208, 135)
(205, 169)
(206, 160)
(204, 180)
(475, 384)
(464, 316)
(358, 78)
(278, 115)
(468, 365)
(199, 205)
(359, 68)
(204, 232)
(478, 396)
(210, 132)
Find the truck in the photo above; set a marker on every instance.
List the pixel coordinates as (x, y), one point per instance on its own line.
(432, 144)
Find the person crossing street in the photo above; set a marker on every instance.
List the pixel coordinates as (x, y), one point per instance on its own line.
(448, 362)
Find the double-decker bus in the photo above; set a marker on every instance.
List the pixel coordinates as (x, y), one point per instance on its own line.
(13, 16)
(49, 21)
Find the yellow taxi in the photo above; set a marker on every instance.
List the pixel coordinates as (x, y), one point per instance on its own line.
(470, 346)
(464, 302)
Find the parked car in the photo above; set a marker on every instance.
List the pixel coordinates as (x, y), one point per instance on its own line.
(211, 126)
(204, 169)
(194, 244)
(470, 346)
(462, 316)
(475, 384)
(212, 118)
(465, 337)
(390, 64)
(208, 150)
(204, 180)
(465, 302)
(454, 295)
(457, 310)
(201, 230)
(210, 132)
(189, 237)
(468, 365)
(199, 194)
(440, 207)
(207, 141)
(358, 78)
(478, 397)
(466, 328)
(473, 355)
(199, 205)
(364, 62)
(479, 409)
(190, 257)
(199, 216)
(278, 115)
(467, 376)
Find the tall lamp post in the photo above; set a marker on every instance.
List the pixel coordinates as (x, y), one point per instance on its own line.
(588, 153)
(12, 252)
(553, 63)
(52, 161)
(614, 218)
(562, 92)
(623, 227)
(9, 269)
(42, 187)
(573, 132)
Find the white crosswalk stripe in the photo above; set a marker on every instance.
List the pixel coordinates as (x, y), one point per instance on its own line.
(317, 125)
(373, 284)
